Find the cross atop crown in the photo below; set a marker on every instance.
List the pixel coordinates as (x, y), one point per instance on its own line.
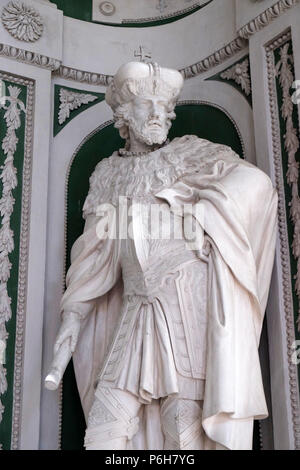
(142, 54)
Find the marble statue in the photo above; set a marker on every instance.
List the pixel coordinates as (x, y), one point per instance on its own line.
(164, 323)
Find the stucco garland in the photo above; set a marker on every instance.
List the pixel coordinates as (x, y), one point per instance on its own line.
(13, 107)
(23, 257)
(283, 235)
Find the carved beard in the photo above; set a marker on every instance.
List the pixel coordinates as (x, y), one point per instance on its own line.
(147, 134)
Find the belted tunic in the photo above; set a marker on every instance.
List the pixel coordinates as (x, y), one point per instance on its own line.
(159, 347)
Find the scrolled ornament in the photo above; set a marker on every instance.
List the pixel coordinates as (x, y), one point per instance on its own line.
(22, 21)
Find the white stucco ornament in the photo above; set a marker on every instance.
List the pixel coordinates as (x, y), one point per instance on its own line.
(70, 100)
(284, 72)
(22, 21)
(107, 8)
(13, 107)
(160, 314)
(240, 74)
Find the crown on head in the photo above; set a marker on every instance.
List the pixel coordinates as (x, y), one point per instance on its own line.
(138, 78)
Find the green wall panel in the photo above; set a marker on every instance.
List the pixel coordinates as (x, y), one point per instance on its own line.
(207, 122)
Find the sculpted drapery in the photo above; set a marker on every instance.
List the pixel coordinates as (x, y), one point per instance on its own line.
(201, 336)
(164, 329)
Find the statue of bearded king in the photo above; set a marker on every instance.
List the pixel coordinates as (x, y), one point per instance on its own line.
(168, 284)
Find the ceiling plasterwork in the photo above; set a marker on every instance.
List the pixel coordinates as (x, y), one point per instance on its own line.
(141, 11)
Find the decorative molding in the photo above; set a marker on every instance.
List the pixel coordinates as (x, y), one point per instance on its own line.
(260, 436)
(291, 142)
(215, 59)
(238, 76)
(23, 261)
(8, 178)
(23, 256)
(202, 66)
(82, 76)
(266, 18)
(240, 73)
(217, 106)
(28, 57)
(283, 234)
(22, 21)
(70, 100)
(166, 16)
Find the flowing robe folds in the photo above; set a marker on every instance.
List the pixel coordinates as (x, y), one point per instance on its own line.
(237, 206)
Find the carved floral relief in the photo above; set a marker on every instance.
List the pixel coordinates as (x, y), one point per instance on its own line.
(22, 21)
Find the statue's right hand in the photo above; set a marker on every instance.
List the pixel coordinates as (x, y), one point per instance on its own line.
(69, 328)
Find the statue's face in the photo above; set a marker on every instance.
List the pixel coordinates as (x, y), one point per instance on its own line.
(150, 118)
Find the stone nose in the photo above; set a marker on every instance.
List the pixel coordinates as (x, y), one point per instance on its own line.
(154, 117)
(155, 111)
